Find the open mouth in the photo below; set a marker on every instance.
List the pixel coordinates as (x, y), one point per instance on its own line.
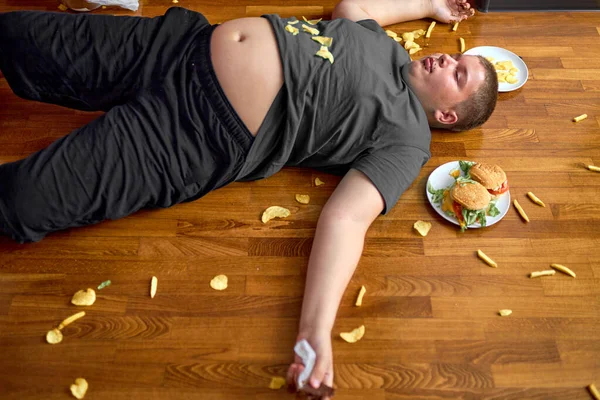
(428, 64)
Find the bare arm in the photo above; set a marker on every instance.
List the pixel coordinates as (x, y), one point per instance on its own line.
(336, 250)
(388, 12)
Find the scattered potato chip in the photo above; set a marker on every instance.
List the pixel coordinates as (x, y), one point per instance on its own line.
(455, 27)
(293, 22)
(354, 336)
(413, 50)
(511, 79)
(324, 52)
(391, 34)
(398, 39)
(488, 260)
(361, 294)
(79, 388)
(537, 274)
(293, 30)
(318, 182)
(593, 168)
(312, 21)
(535, 199)
(219, 282)
(564, 269)
(490, 59)
(408, 36)
(303, 198)
(103, 285)
(462, 45)
(520, 210)
(308, 29)
(430, 29)
(71, 319)
(62, 7)
(422, 227)
(324, 40)
(580, 118)
(175, 1)
(277, 382)
(408, 44)
(84, 297)
(54, 336)
(594, 391)
(513, 71)
(505, 313)
(153, 286)
(274, 212)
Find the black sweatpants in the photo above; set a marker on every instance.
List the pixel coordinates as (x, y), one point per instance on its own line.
(168, 135)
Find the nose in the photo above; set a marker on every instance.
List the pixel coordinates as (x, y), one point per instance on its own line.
(446, 60)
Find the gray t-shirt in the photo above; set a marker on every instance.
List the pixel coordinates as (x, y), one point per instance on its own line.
(355, 113)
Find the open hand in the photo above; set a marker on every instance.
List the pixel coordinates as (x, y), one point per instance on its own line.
(449, 11)
(323, 369)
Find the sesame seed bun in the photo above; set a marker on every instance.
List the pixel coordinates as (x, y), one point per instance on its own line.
(489, 175)
(472, 196)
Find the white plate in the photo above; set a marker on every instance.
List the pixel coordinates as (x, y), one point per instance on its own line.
(440, 178)
(500, 54)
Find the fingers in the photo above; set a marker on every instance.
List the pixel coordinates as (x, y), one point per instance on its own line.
(293, 372)
(322, 373)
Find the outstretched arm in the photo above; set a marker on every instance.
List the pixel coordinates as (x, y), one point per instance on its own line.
(336, 249)
(388, 12)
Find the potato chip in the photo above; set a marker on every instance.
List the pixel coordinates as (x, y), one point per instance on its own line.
(84, 297)
(422, 227)
(103, 285)
(430, 29)
(490, 59)
(219, 282)
(277, 382)
(408, 36)
(303, 198)
(153, 286)
(408, 44)
(312, 21)
(71, 319)
(79, 388)
(175, 1)
(398, 39)
(54, 336)
(505, 313)
(362, 292)
(274, 212)
(537, 274)
(563, 269)
(293, 22)
(324, 40)
(511, 79)
(391, 34)
(293, 30)
(354, 336)
(308, 29)
(318, 182)
(62, 7)
(324, 52)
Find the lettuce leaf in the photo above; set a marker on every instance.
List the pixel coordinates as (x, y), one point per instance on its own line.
(437, 194)
(493, 210)
(465, 167)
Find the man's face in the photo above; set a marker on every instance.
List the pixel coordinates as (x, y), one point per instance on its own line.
(442, 81)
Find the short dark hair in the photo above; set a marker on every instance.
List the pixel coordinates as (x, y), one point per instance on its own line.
(478, 108)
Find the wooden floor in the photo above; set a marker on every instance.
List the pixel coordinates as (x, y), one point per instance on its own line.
(432, 329)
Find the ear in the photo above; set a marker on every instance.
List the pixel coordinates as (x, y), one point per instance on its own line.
(446, 117)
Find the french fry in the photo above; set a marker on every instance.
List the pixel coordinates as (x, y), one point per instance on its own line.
(362, 292)
(153, 286)
(431, 26)
(593, 168)
(580, 118)
(70, 320)
(520, 210)
(487, 260)
(594, 391)
(504, 313)
(564, 269)
(462, 45)
(455, 27)
(537, 274)
(535, 199)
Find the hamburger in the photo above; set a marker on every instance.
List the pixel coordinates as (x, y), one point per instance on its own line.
(469, 202)
(492, 177)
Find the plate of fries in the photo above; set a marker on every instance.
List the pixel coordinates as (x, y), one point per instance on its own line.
(511, 69)
(444, 177)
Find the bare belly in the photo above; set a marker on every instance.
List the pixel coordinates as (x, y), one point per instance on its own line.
(246, 60)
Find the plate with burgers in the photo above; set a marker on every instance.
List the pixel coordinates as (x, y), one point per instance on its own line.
(469, 194)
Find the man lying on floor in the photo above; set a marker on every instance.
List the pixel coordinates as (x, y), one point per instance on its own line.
(191, 107)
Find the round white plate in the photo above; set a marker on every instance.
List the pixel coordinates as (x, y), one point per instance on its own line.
(500, 54)
(440, 178)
